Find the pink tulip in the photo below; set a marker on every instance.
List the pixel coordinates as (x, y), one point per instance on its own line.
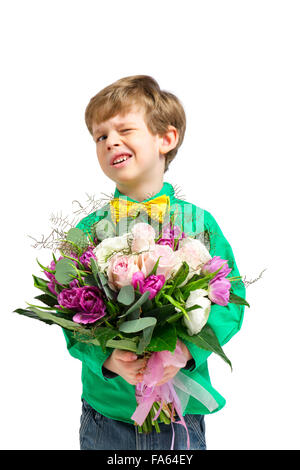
(214, 264)
(218, 291)
(152, 283)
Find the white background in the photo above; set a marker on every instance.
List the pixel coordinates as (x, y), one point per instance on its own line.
(235, 67)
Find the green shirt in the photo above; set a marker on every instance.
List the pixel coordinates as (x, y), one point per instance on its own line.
(114, 397)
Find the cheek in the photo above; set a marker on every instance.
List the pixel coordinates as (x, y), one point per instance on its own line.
(103, 164)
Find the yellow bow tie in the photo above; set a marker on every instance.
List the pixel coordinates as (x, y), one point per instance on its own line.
(156, 208)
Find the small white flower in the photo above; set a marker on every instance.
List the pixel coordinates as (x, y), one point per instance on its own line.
(109, 247)
(199, 316)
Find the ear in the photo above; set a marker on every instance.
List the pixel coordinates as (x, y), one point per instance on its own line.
(169, 140)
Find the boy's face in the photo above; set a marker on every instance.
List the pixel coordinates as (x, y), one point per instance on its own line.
(129, 134)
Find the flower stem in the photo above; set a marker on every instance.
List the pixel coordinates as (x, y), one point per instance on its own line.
(154, 422)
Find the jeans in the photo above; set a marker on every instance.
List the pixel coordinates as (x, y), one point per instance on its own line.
(100, 433)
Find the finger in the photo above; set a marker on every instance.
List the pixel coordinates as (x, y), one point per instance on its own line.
(125, 356)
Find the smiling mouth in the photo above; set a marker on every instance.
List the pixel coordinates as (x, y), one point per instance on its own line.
(121, 160)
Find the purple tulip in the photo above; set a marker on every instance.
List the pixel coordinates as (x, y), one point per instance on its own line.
(91, 305)
(138, 279)
(69, 298)
(51, 286)
(73, 284)
(152, 283)
(213, 265)
(85, 318)
(219, 291)
(166, 241)
(52, 266)
(85, 258)
(90, 300)
(170, 234)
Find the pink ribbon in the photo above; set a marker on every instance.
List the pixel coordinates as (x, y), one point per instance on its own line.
(148, 393)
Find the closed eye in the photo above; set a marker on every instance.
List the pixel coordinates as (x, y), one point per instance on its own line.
(123, 130)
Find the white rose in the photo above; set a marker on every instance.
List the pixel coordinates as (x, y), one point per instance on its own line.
(108, 247)
(199, 316)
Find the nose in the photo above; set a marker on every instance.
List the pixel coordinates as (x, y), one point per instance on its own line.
(112, 140)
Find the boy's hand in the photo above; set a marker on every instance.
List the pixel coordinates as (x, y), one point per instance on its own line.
(126, 364)
(171, 371)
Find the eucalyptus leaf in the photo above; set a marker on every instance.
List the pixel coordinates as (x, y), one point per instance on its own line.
(126, 295)
(65, 271)
(127, 344)
(132, 326)
(137, 304)
(78, 238)
(145, 339)
(104, 229)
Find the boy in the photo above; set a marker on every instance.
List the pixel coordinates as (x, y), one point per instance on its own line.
(137, 129)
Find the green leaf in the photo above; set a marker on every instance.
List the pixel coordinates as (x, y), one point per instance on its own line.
(164, 340)
(52, 318)
(89, 280)
(65, 271)
(126, 295)
(162, 313)
(154, 269)
(206, 339)
(40, 283)
(177, 305)
(145, 339)
(94, 268)
(137, 304)
(181, 274)
(133, 315)
(105, 334)
(236, 299)
(201, 283)
(111, 307)
(78, 238)
(132, 326)
(102, 281)
(47, 299)
(127, 344)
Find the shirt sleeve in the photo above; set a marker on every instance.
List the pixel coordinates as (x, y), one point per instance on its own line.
(226, 320)
(90, 354)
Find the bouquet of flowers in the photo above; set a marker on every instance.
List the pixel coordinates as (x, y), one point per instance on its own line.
(141, 293)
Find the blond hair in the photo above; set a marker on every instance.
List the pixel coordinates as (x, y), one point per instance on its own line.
(162, 108)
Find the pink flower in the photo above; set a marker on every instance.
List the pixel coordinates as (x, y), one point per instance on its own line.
(121, 269)
(169, 234)
(219, 291)
(214, 264)
(193, 252)
(167, 262)
(152, 283)
(143, 237)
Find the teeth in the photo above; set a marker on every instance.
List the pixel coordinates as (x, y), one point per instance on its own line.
(121, 159)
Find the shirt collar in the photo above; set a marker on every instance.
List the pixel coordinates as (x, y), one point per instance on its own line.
(167, 190)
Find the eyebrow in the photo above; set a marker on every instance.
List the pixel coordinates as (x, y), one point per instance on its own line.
(121, 123)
